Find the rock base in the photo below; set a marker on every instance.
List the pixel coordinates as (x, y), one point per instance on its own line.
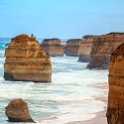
(19, 120)
(84, 58)
(99, 62)
(115, 115)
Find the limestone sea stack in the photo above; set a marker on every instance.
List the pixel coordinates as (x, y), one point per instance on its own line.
(115, 112)
(26, 61)
(18, 111)
(85, 48)
(53, 47)
(72, 47)
(102, 48)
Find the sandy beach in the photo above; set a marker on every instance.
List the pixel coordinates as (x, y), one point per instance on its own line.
(100, 116)
(100, 119)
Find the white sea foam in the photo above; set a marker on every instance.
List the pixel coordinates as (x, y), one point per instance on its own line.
(78, 111)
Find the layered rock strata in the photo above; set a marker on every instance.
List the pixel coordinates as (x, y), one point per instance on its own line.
(26, 60)
(18, 111)
(53, 47)
(115, 112)
(85, 48)
(72, 47)
(102, 48)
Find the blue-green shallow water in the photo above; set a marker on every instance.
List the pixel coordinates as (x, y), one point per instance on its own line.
(70, 96)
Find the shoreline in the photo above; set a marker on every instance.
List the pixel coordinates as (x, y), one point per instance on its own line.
(99, 119)
(100, 116)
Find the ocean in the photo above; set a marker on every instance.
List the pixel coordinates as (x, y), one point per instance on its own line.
(70, 96)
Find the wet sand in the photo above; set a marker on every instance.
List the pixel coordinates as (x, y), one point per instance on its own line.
(100, 116)
(99, 119)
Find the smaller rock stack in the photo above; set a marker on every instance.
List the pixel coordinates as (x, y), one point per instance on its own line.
(85, 48)
(26, 61)
(72, 47)
(115, 112)
(17, 111)
(53, 47)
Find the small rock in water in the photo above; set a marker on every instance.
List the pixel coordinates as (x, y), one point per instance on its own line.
(17, 111)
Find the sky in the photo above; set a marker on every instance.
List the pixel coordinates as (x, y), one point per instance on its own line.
(60, 18)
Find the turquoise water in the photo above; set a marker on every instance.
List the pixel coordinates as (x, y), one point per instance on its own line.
(70, 96)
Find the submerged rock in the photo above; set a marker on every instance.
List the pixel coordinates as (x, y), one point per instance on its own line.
(53, 47)
(115, 112)
(102, 48)
(85, 48)
(17, 111)
(26, 60)
(72, 47)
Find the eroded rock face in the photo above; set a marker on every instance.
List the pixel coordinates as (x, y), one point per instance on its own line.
(85, 48)
(72, 47)
(102, 48)
(26, 60)
(53, 47)
(17, 111)
(115, 112)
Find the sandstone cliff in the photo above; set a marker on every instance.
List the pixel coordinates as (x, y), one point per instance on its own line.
(115, 112)
(72, 47)
(26, 60)
(102, 48)
(85, 48)
(53, 47)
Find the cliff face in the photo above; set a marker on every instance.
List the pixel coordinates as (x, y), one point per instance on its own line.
(26, 60)
(102, 48)
(72, 47)
(85, 48)
(115, 112)
(53, 47)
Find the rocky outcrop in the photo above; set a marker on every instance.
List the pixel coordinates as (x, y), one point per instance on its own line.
(102, 48)
(17, 111)
(85, 48)
(53, 47)
(26, 60)
(115, 112)
(72, 47)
